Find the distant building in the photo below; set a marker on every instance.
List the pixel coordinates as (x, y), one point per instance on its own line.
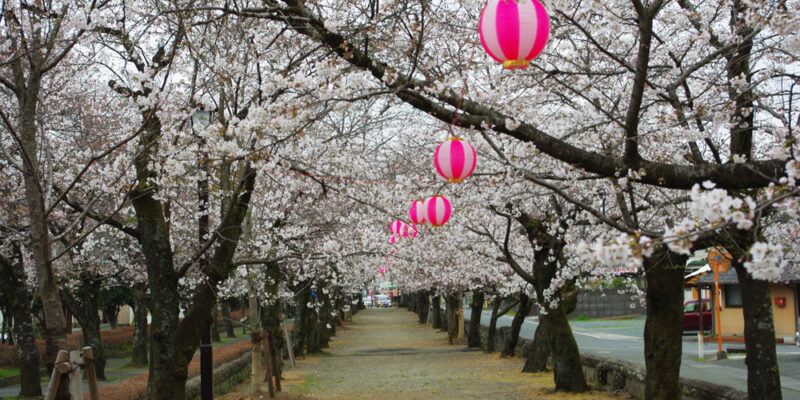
(783, 294)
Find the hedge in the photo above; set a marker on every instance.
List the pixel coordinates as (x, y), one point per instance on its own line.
(113, 339)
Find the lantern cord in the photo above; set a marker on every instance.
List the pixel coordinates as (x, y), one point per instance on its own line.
(458, 107)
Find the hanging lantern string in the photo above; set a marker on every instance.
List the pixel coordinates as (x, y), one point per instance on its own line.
(358, 180)
(458, 107)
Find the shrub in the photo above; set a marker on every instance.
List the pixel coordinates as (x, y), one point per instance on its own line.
(8, 354)
(113, 339)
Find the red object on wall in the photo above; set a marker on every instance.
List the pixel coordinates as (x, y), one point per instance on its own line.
(780, 301)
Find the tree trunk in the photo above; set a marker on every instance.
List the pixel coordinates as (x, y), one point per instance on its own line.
(510, 345)
(490, 336)
(174, 343)
(301, 322)
(567, 366)
(168, 367)
(424, 306)
(360, 305)
(475, 319)
(313, 344)
(13, 284)
(215, 326)
(226, 319)
(324, 316)
(28, 353)
(437, 311)
(540, 350)
(763, 378)
(91, 337)
(663, 328)
(452, 317)
(111, 313)
(139, 353)
(272, 315)
(84, 308)
(55, 327)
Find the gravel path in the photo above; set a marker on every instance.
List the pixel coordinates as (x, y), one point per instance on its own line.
(387, 354)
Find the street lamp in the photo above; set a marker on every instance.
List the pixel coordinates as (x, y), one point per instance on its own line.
(201, 119)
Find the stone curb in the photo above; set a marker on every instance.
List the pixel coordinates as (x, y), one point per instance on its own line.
(225, 377)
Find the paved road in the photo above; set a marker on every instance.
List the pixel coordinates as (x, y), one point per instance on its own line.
(623, 340)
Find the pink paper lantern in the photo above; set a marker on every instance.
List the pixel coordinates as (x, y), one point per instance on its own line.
(393, 239)
(437, 210)
(455, 159)
(397, 227)
(417, 212)
(409, 230)
(514, 32)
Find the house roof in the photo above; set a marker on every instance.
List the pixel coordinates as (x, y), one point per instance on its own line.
(697, 263)
(790, 274)
(700, 271)
(726, 278)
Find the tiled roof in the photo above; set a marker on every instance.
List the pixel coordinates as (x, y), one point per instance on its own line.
(726, 278)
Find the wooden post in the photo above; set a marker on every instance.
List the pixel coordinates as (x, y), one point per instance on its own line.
(75, 378)
(276, 369)
(288, 341)
(91, 377)
(256, 338)
(267, 364)
(61, 367)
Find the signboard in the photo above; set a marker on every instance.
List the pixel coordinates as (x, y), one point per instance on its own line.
(719, 260)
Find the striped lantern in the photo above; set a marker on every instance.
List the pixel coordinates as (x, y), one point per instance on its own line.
(410, 230)
(455, 159)
(417, 213)
(514, 32)
(397, 228)
(437, 210)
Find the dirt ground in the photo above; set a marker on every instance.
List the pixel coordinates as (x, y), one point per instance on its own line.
(387, 354)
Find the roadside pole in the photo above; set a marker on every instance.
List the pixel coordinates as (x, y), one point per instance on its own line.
(716, 259)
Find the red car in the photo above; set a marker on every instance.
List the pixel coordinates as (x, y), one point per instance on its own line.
(691, 316)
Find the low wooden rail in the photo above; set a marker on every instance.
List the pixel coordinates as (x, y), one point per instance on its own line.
(73, 363)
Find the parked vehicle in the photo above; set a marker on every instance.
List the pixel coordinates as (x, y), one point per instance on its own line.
(368, 302)
(383, 300)
(691, 315)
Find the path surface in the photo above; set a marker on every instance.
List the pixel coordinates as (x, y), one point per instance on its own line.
(387, 354)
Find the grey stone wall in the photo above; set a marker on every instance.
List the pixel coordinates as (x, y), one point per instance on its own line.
(226, 376)
(606, 303)
(620, 376)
